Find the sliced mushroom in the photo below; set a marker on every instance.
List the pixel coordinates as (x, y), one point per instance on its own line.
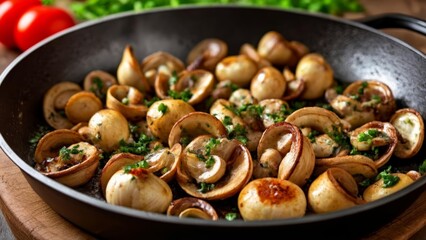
(295, 86)
(410, 127)
(275, 48)
(373, 95)
(54, 102)
(160, 61)
(377, 190)
(163, 114)
(359, 166)
(164, 162)
(128, 101)
(268, 83)
(271, 198)
(129, 71)
(317, 75)
(81, 106)
(239, 69)
(333, 190)
(116, 162)
(139, 189)
(107, 128)
(214, 168)
(98, 82)
(200, 83)
(193, 125)
(379, 137)
(193, 208)
(250, 51)
(297, 156)
(207, 54)
(62, 155)
(162, 84)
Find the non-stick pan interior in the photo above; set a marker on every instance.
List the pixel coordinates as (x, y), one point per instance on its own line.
(354, 52)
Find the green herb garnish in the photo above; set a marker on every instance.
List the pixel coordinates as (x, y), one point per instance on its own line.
(231, 216)
(185, 95)
(205, 187)
(422, 168)
(162, 108)
(65, 153)
(141, 164)
(389, 180)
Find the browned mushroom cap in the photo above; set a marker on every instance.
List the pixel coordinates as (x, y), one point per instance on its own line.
(410, 127)
(297, 156)
(129, 71)
(359, 166)
(317, 75)
(377, 190)
(199, 83)
(81, 106)
(268, 83)
(224, 172)
(116, 162)
(163, 162)
(163, 114)
(107, 128)
(271, 198)
(98, 82)
(193, 125)
(251, 52)
(333, 190)
(160, 61)
(207, 54)
(275, 48)
(54, 102)
(128, 101)
(239, 69)
(63, 156)
(375, 95)
(377, 138)
(193, 208)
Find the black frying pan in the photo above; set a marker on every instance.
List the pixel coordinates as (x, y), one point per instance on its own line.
(354, 50)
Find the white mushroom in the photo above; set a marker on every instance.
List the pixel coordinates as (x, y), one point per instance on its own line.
(129, 71)
(239, 69)
(268, 83)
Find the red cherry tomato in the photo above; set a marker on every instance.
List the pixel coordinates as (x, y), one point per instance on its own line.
(39, 22)
(10, 12)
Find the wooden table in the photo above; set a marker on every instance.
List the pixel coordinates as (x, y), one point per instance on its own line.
(29, 217)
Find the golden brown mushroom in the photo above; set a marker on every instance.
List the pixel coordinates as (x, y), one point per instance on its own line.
(239, 69)
(197, 83)
(54, 102)
(64, 156)
(128, 101)
(193, 208)
(379, 190)
(98, 82)
(268, 83)
(271, 198)
(81, 106)
(160, 62)
(275, 48)
(214, 168)
(410, 127)
(207, 54)
(333, 190)
(129, 71)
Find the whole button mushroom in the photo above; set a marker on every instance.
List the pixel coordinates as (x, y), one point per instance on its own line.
(107, 128)
(163, 114)
(379, 190)
(268, 83)
(271, 198)
(317, 75)
(239, 69)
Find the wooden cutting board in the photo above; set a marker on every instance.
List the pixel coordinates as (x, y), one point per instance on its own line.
(29, 217)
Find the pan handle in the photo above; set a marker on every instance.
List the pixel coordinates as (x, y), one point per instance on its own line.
(395, 20)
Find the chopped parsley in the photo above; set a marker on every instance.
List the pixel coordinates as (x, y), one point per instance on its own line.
(422, 168)
(42, 130)
(141, 164)
(211, 144)
(231, 216)
(368, 135)
(339, 137)
(65, 153)
(162, 108)
(210, 162)
(312, 134)
(173, 79)
(148, 103)
(97, 87)
(185, 140)
(185, 95)
(205, 187)
(238, 132)
(281, 115)
(125, 101)
(140, 147)
(389, 180)
(232, 86)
